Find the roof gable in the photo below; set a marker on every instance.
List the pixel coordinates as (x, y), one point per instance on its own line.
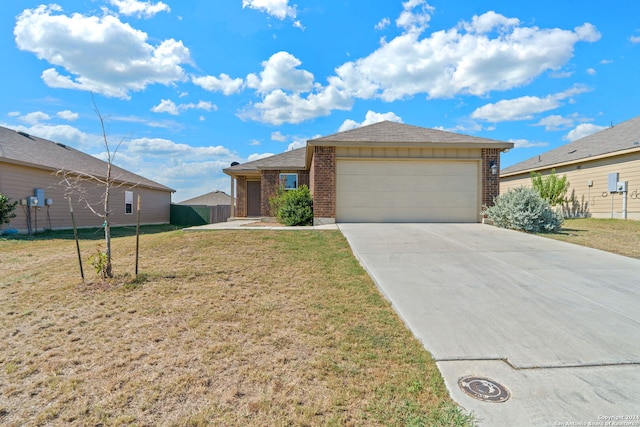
(22, 148)
(289, 160)
(621, 137)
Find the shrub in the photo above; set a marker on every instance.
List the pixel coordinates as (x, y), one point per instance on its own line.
(523, 209)
(293, 207)
(551, 187)
(6, 209)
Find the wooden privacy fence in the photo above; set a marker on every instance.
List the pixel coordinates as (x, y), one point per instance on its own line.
(191, 215)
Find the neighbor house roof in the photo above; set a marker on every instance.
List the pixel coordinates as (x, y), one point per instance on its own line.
(392, 133)
(618, 139)
(214, 198)
(23, 149)
(289, 160)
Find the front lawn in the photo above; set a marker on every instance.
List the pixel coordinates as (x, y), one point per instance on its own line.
(612, 235)
(222, 328)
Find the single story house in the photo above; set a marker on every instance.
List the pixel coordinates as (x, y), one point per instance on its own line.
(29, 169)
(384, 172)
(594, 166)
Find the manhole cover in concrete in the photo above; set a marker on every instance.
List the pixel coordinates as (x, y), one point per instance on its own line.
(484, 389)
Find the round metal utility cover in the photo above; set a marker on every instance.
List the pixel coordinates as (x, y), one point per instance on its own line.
(484, 389)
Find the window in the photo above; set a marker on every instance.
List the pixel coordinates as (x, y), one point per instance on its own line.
(289, 181)
(128, 202)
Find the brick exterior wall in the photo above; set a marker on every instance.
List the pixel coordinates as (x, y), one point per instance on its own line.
(269, 181)
(268, 186)
(324, 182)
(241, 196)
(490, 183)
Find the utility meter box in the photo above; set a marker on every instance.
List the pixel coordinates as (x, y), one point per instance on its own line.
(622, 186)
(32, 201)
(39, 193)
(612, 186)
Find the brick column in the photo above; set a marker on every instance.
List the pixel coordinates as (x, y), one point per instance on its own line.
(324, 185)
(269, 181)
(490, 183)
(241, 201)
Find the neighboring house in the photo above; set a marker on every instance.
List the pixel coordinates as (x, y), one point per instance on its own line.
(385, 172)
(588, 164)
(28, 167)
(214, 198)
(208, 208)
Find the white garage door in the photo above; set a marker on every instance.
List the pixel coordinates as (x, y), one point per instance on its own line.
(407, 191)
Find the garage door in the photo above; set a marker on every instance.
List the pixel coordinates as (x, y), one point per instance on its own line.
(407, 191)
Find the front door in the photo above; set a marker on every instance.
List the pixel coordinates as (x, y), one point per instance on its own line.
(253, 198)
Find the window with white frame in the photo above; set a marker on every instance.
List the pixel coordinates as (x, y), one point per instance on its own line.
(289, 181)
(128, 202)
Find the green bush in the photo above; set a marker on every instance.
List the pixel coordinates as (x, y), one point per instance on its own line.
(551, 187)
(293, 207)
(524, 209)
(6, 209)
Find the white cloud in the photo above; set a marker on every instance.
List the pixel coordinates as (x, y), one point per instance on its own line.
(523, 143)
(298, 143)
(101, 54)
(634, 39)
(13, 113)
(384, 23)
(555, 122)
(412, 20)
(278, 107)
(370, 118)
(224, 84)
(582, 130)
(254, 142)
(68, 115)
(280, 72)
(278, 136)
(606, 61)
(34, 117)
(491, 52)
(159, 147)
(460, 61)
(591, 71)
(258, 156)
(168, 106)
(144, 9)
(279, 9)
(523, 108)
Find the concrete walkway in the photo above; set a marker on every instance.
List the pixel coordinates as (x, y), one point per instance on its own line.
(557, 324)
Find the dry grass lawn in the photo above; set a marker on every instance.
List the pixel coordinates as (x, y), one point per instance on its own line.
(611, 235)
(233, 327)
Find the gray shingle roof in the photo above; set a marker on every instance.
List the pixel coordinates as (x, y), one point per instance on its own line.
(24, 149)
(398, 133)
(382, 133)
(214, 198)
(623, 136)
(291, 160)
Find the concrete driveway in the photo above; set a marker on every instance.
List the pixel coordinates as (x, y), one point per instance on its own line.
(557, 324)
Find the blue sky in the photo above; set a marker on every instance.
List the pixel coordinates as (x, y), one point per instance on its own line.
(190, 86)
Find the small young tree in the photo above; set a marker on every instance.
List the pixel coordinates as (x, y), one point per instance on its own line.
(78, 184)
(6, 209)
(551, 187)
